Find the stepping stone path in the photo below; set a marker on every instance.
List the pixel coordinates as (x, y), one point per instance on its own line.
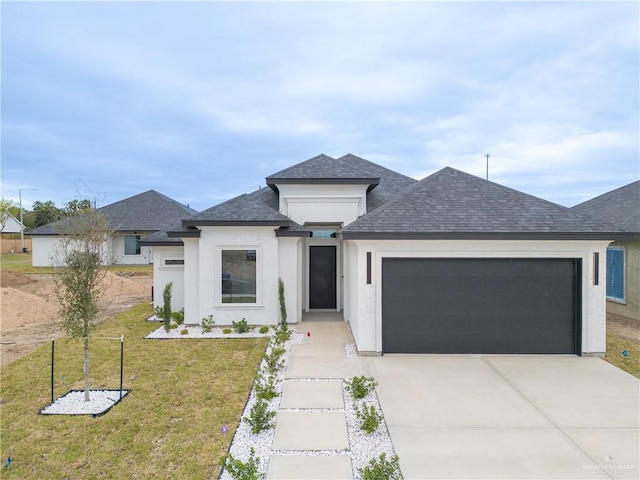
(311, 439)
(316, 435)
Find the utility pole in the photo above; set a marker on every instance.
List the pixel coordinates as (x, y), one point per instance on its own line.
(486, 155)
(21, 221)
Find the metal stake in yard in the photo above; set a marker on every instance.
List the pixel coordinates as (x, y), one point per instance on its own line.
(53, 349)
(121, 362)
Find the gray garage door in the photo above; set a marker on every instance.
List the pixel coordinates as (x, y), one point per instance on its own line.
(467, 305)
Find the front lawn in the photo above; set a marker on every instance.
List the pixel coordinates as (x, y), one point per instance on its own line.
(21, 263)
(616, 347)
(169, 426)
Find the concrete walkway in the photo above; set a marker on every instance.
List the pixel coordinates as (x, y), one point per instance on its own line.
(311, 415)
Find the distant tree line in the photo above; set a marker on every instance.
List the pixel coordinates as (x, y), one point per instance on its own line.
(42, 213)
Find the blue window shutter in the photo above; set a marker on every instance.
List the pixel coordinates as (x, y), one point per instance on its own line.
(615, 273)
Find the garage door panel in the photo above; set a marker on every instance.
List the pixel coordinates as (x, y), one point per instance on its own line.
(479, 305)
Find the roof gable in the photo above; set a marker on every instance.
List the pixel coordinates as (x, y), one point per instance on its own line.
(322, 169)
(454, 204)
(620, 207)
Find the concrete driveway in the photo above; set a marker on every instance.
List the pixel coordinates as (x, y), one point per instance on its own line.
(510, 416)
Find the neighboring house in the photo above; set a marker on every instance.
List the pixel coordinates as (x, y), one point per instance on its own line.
(10, 224)
(130, 219)
(620, 207)
(449, 264)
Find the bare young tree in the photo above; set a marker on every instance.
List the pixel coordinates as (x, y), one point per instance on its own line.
(83, 261)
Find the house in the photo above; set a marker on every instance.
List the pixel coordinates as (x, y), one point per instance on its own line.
(130, 219)
(620, 207)
(449, 264)
(10, 224)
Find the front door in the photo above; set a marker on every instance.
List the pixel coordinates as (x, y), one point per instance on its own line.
(322, 277)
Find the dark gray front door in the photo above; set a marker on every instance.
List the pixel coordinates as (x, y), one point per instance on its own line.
(322, 276)
(465, 305)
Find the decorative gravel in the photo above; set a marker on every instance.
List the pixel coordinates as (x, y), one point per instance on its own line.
(197, 332)
(363, 447)
(72, 403)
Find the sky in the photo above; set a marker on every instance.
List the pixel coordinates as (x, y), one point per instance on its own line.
(202, 100)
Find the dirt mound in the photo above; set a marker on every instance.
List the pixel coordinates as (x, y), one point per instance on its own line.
(123, 286)
(116, 286)
(13, 279)
(21, 308)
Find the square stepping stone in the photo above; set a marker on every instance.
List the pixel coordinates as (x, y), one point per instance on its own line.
(330, 367)
(311, 431)
(303, 467)
(312, 395)
(319, 350)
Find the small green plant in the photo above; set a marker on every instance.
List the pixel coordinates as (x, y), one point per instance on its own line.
(166, 306)
(265, 387)
(360, 387)
(173, 326)
(184, 331)
(381, 469)
(260, 417)
(283, 307)
(226, 330)
(157, 311)
(273, 360)
(264, 329)
(178, 316)
(240, 470)
(241, 326)
(207, 324)
(283, 333)
(369, 417)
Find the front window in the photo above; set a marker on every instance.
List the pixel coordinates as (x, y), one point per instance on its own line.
(132, 244)
(238, 276)
(615, 273)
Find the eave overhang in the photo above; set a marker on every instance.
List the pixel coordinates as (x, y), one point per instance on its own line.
(371, 182)
(235, 223)
(611, 236)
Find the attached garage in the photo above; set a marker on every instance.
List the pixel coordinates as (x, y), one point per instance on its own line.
(481, 305)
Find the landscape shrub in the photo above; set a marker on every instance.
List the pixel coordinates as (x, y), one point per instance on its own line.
(381, 469)
(369, 417)
(240, 470)
(360, 387)
(260, 417)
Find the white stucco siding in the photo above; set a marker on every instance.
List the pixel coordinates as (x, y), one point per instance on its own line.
(213, 240)
(291, 274)
(44, 249)
(323, 203)
(119, 257)
(366, 317)
(192, 281)
(165, 270)
(47, 250)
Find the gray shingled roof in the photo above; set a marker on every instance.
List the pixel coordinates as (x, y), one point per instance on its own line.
(454, 204)
(620, 207)
(259, 207)
(390, 182)
(322, 169)
(146, 212)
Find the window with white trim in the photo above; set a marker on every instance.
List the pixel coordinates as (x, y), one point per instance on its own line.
(239, 274)
(615, 273)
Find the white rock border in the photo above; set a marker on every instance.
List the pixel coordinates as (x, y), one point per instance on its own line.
(72, 403)
(363, 447)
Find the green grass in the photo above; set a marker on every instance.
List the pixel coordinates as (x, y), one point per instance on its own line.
(21, 263)
(630, 363)
(169, 426)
